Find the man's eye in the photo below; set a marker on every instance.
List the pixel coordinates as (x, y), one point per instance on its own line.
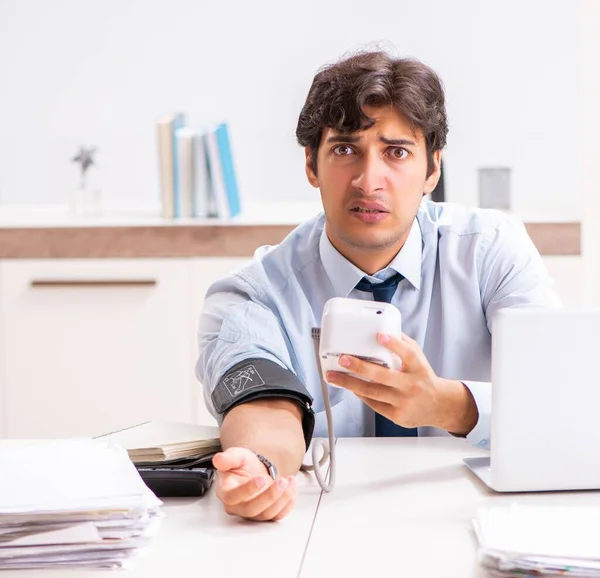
(399, 153)
(343, 150)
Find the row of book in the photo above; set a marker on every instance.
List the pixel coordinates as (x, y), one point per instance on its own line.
(197, 173)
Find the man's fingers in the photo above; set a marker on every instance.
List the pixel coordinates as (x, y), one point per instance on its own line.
(232, 496)
(273, 501)
(286, 510)
(282, 506)
(379, 391)
(252, 508)
(385, 409)
(410, 340)
(230, 459)
(406, 349)
(367, 370)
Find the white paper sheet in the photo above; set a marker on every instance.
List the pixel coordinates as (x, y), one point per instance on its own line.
(547, 540)
(78, 534)
(72, 502)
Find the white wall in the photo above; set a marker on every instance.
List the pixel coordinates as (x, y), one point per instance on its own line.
(589, 122)
(99, 72)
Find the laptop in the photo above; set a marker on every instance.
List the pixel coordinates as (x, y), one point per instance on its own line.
(545, 422)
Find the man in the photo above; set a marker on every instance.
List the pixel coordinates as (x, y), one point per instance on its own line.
(373, 128)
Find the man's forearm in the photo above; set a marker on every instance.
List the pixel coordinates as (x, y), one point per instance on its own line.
(271, 427)
(458, 414)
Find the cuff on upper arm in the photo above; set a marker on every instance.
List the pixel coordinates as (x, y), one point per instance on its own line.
(258, 378)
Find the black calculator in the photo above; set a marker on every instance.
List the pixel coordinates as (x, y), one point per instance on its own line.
(184, 477)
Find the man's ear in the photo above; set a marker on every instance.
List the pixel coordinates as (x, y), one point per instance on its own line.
(310, 173)
(434, 177)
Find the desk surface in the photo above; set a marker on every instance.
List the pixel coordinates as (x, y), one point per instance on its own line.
(405, 508)
(400, 507)
(198, 539)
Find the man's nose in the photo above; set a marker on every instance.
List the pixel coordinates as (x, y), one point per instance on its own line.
(370, 176)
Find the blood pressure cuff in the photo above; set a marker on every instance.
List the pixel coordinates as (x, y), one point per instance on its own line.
(258, 378)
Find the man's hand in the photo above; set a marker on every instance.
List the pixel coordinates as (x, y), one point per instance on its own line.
(246, 490)
(415, 395)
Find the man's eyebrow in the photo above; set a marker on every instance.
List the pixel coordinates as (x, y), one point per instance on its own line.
(398, 141)
(346, 138)
(352, 139)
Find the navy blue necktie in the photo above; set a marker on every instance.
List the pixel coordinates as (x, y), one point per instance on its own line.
(384, 291)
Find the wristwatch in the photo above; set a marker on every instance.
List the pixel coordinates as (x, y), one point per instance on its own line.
(269, 465)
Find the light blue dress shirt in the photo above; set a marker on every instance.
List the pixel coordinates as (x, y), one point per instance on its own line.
(460, 266)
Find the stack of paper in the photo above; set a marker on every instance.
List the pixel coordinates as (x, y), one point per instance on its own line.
(159, 441)
(540, 541)
(72, 503)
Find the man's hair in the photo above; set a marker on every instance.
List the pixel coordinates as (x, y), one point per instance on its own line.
(340, 91)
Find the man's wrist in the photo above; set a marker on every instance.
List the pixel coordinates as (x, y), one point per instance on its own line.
(458, 413)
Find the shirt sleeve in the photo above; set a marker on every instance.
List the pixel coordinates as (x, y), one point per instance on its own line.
(235, 326)
(512, 274)
(482, 394)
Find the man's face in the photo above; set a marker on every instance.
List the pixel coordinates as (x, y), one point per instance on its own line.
(372, 183)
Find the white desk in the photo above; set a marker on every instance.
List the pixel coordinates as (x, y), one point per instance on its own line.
(400, 507)
(198, 539)
(404, 508)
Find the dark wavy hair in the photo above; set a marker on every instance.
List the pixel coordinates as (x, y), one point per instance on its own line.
(340, 91)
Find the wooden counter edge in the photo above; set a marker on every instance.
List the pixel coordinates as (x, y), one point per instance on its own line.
(201, 240)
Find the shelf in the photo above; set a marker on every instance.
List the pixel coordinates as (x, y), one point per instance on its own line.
(42, 232)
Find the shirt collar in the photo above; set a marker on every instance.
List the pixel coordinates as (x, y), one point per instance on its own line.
(344, 275)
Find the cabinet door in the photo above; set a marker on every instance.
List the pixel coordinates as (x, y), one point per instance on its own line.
(3, 411)
(92, 346)
(205, 271)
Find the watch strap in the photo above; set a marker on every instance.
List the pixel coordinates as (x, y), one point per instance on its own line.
(271, 468)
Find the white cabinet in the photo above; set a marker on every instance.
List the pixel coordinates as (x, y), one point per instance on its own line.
(92, 346)
(3, 408)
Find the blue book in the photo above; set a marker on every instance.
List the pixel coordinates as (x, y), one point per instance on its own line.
(227, 165)
(178, 122)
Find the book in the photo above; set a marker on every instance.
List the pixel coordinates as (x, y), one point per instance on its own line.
(160, 441)
(185, 167)
(216, 174)
(203, 194)
(166, 126)
(228, 168)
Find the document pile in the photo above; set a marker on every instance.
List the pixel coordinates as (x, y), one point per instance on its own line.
(173, 458)
(72, 503)
(539, 541)
(163, 441)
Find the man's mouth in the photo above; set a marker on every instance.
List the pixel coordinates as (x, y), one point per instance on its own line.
(362, 210)
(370, 213)
(368, 206)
